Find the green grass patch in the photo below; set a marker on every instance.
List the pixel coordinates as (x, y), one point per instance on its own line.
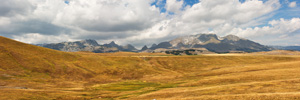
(4, 78)
(164, 55)
(135, 87)
(2, 69)
(167, 85)
(126, 86)
(150, 89)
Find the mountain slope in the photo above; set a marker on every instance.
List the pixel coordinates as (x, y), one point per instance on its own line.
(20, 59)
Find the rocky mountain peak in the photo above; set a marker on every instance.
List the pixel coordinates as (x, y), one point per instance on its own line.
(162, 45)
(128, 47)
(232, 38)
(186, 40)
(153, 45)
(112, 43)
(144, 48)
(212, 43)
(206, 37)
(89, 42)
(191, 40)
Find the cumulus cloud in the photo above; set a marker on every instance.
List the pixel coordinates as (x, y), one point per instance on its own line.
(4, 21)
(108, 15)
(36, 38)
(293, 4)
(229, 10)
(210, 16)
(174, 5)
(21, 17)
(80, 18)
(10, 8)
(279, 30)
(280, 27)
(219, 17)
(140, 22)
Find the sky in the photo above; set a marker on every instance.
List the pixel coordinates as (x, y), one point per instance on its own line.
(144, 22)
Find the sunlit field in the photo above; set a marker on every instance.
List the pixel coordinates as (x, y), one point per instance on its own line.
(32, 72)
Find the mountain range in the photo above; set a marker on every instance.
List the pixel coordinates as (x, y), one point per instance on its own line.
(202, 42)
(213, 43)
(296, 48)
(89, 45)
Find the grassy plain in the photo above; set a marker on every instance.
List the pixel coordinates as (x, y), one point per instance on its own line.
(30, 72)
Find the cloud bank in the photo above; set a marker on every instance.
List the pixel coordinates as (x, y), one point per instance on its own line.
(140, 22)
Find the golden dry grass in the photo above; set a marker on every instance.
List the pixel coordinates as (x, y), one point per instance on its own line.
(30, 72)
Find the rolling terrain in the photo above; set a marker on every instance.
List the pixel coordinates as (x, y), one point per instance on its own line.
(31, 72)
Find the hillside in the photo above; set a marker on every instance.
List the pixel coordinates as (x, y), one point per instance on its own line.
(33, 72)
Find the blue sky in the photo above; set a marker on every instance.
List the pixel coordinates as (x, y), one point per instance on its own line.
(161, 4)
(284, 11)
(67, 2)
(144, 22)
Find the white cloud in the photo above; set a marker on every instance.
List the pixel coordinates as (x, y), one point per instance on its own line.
(10, 8)
(21, 17)
(4, 21)
(220, 16)
(108, 15)
(210, 16)
(38, 38)
(280, 27)
(47, 10)
(136, 21)
(80, 18)
(229, 10)
(280, 30)
(293, 4)
(174, 5)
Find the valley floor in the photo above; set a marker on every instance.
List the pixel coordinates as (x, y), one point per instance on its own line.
(165, 77)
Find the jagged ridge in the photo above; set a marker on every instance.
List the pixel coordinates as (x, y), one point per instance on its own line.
(214, 43)
(88, 45)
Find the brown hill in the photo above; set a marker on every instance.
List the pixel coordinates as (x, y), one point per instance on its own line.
(23, 60)
(31, 72)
